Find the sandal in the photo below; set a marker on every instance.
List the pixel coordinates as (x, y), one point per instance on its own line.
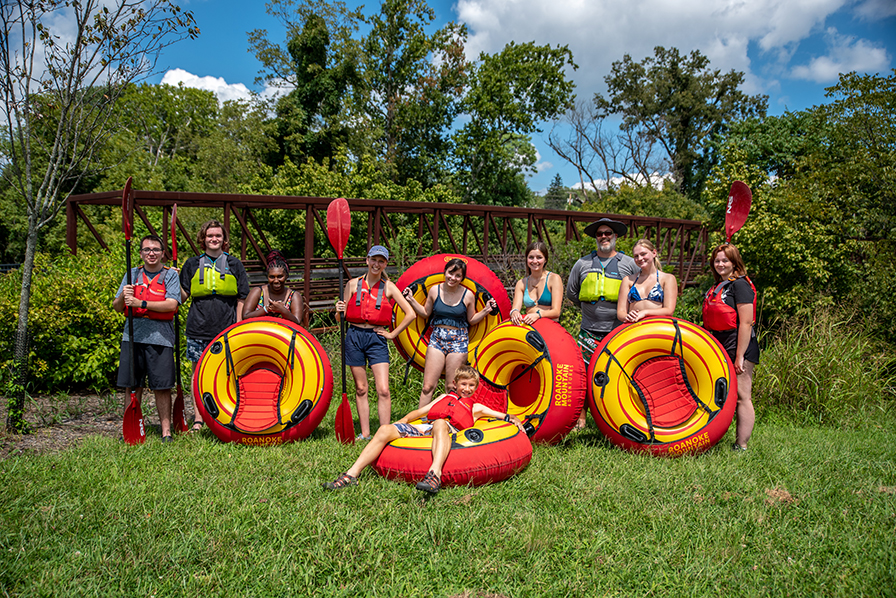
(167, 439)
(197, 426)
(430, 483)
(341, 482)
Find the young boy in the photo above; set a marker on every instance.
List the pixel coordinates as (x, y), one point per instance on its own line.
(153, 298)
(446, 415)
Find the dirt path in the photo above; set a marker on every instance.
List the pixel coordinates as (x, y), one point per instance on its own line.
(59, 422)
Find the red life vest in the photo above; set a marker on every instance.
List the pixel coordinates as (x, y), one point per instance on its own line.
(718, 316)
(362, 308)
(458, 411)
(151, 290)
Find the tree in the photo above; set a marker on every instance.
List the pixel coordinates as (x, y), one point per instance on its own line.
(68, 86)
(414, 81)
(555, 196)
(510, 94)
(681, 104)
(318, 69)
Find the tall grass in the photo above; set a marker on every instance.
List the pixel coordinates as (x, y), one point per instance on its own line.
(825, 368)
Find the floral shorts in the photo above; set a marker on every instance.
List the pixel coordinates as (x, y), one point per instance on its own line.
(588, 342)
(450, 340)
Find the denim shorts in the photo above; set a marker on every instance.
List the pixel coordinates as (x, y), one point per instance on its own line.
(450, 340)
(407, 430)
(363, 346)
(195, 349)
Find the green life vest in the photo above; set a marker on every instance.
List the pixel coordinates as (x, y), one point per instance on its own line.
(212, 278)
(601, 283)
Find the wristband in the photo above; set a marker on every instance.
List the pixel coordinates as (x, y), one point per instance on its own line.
(514, 310)
(143, 305)
(507, 417)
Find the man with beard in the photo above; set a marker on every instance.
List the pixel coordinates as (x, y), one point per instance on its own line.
(594, 286)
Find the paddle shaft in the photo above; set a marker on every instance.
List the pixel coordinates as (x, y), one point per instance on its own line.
(342, 329)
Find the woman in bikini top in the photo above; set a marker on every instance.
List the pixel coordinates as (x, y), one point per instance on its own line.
(549, 301)
(643, 298)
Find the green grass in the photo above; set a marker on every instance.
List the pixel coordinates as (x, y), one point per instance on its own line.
(806, 511)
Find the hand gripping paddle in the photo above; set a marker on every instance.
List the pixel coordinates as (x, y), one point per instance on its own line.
(178, 419)
(132, 428)
(339, 225)
(739, 199)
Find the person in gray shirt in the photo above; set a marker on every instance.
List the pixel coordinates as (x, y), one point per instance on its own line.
(593, 286)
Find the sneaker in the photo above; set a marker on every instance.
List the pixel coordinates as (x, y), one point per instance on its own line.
(738, 448)
(359, 438)
(341, 482)
(430, 483)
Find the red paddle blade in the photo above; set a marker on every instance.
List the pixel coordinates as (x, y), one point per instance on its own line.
(339, 225)
(126, 219)
(178, 418)
(132, 427)
(345, 427)
(739, 199)
(174, 233)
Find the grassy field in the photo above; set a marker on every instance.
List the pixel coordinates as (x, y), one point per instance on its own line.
(804, 512)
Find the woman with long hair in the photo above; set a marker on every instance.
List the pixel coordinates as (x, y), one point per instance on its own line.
(451, 308)
(651, 292)
(729, 312)
(540, 293)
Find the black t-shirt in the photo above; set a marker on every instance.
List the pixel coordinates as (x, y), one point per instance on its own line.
(738, 292)
(211, 314)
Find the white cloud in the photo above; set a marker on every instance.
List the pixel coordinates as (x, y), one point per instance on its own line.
(876, 9)
(657, 181)
(601, 32)
(844, 54)
(217, 85)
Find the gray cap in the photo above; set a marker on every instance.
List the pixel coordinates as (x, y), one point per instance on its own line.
(378, 250)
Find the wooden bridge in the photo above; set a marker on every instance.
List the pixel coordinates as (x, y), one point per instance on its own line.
(496, 235)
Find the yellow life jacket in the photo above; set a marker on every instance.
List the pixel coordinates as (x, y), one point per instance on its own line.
(601, 283)
(213, 277)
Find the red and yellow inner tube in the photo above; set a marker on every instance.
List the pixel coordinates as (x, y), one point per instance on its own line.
(662, 385)
(491, 451)
(542, 370)
(263, 381)
(422, 276)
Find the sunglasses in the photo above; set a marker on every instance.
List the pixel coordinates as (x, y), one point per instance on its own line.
(604, 233)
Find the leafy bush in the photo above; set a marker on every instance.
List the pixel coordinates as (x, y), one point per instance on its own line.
(74, 332)
(828, 369)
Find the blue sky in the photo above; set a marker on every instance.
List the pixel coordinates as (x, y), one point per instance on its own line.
(789, 49)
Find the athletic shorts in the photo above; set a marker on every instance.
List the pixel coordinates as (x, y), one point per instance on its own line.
(364, 346)
(195, 348)
(450, 340)
(408, 430)
(588, 342)
(154, 364)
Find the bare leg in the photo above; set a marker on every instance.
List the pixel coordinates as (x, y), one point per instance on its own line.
(383, 398)
(359, 373)
(383, 436)
(452, 362)
(746, 416)
(441, 445)
(435, 364)
(163, 404)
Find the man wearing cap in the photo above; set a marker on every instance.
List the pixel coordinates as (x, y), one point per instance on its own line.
(367, 306)
(594, 285)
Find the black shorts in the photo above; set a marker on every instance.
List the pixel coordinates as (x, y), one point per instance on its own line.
(154, 364)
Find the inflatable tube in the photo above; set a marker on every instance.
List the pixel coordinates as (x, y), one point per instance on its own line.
(263, 381)
(662, 385)
(425, 274)
(542, 370)
(490, 451)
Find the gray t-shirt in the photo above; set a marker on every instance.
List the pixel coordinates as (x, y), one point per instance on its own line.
(598, 316)
(147, 331)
